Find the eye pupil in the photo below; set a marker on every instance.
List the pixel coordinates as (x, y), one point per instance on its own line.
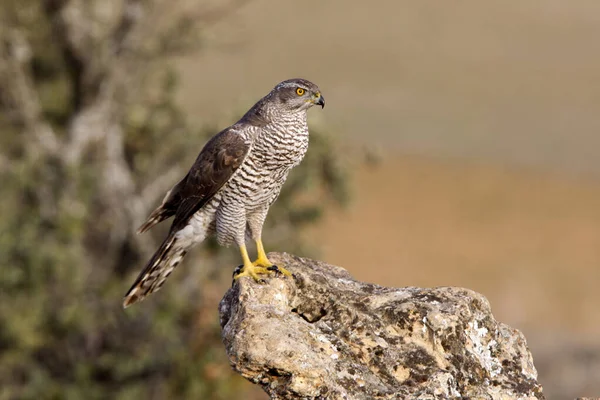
(299, 91)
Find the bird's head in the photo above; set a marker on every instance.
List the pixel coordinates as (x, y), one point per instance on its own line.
(297, 94)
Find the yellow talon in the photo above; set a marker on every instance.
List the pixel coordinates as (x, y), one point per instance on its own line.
(262, 265)
(249, 269)
(263, 261)
(252, 271)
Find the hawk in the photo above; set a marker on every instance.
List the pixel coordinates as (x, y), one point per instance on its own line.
(231, 185)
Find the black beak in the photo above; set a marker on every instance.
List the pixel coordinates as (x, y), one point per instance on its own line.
(320, 101)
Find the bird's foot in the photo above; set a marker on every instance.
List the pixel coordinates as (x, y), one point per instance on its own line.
(255, 269)
(264, 262)
(252, 271)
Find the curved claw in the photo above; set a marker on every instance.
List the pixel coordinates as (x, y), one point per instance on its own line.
(279, 270)
(252, 271)
(237, 270)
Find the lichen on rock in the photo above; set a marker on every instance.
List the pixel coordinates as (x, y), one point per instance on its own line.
(324, 335)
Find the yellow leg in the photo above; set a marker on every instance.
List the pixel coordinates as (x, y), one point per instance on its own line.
(263, 261)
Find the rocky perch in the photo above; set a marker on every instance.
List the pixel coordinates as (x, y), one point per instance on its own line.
(324, 335)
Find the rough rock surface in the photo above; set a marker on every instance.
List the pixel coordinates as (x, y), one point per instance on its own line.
(324, 335)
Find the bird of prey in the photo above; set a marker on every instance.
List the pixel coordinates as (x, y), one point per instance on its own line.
(233, 182)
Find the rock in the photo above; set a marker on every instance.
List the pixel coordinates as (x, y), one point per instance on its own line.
(324, 335)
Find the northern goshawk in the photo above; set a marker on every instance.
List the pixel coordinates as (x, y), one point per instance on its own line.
(233, 182)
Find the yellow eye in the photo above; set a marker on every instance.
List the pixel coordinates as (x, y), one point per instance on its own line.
(299, 91)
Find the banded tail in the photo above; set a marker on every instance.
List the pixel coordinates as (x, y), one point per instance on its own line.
(167, 209)
(160, 214)
(156, 272)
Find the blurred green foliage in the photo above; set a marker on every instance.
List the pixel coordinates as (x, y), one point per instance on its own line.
(63, 333)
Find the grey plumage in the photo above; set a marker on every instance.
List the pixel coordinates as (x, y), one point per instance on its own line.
(233, 182)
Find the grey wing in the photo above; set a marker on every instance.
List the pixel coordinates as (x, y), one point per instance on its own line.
(215, 165)
(219, 159)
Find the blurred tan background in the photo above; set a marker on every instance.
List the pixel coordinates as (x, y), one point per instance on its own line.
(485, 115)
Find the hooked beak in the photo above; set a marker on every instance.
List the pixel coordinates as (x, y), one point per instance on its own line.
(319, 100)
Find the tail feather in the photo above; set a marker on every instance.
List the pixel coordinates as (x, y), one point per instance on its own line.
(167, 208)
(158, 269)
(158, 215)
